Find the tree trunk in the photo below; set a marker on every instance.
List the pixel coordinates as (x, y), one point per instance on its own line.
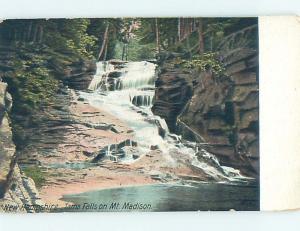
(184, 28)
(29, 32)
(24, 35)
(157, 35)
(194, 24)
(105, 52)
(41, 34)
(123, 51)
(191, 26)
(201, 37)
(179, 29)
(105, 37)
(35, 33)
(126, 53)
(14, 35)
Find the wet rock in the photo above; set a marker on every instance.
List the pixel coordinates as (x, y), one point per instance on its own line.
(88, 153)
(115, 74)
(114, 130)
(161, 132)
(120, 153)
(136, 156)
(156, 177)
(124, 143)
(101, 126)
(117, 62)
(134, 144)
(99, 156)
(113, 158)
(117, 150)
(154, 147)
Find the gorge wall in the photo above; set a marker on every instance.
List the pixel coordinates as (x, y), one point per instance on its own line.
(221, 112)
(17, 191)
(7, 147)
(27, 131)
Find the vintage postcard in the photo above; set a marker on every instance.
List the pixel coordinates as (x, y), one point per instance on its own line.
(129, 114)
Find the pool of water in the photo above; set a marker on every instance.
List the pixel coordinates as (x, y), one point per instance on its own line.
(167, 197)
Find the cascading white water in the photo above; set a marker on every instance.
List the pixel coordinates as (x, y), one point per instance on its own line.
(103, 69)
(130, 99)
(138, 75)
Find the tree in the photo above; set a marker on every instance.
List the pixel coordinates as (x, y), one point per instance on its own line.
(201, 36)
(157, 35)
(104, 44)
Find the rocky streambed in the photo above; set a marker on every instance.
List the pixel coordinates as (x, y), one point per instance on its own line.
(107, 137)
(139, 148)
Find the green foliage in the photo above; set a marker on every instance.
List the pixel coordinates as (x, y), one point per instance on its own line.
(70, 36)
(136, 51)
(37, 174)
(116, 32)
(32, 82)
(166, 26)
(84, 37)
(32, 86)
(132, 41)
(42, 44)
(213, 32)
(204, 62)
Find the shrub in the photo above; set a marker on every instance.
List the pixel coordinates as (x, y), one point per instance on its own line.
(204, 62)
(36, 174)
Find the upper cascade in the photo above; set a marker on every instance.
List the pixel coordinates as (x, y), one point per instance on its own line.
(138, 75)
(103, 69)
(131, 75)
(126, 91)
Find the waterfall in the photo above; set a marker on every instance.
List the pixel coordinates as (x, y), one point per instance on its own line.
(163, 124)
(138, 75)
(103, 69)
(128, 95)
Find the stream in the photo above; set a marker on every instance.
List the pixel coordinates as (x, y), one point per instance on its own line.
(168, 197)
(126, 91)
(129, 97)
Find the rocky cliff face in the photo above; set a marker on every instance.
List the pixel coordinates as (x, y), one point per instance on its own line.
(42, 131)
(49, 113)
(219, 112)
(7, 147)
(16, 190)
(77, 75)
(174, 88)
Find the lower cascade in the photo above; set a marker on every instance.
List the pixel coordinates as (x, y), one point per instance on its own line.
(126, 90)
